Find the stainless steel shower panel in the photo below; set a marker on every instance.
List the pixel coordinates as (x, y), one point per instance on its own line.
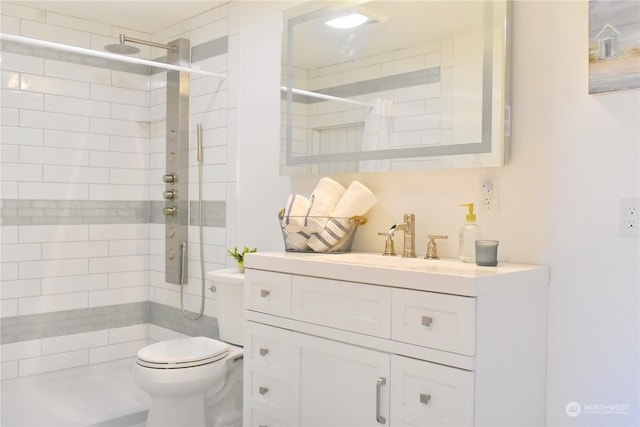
(176, 179)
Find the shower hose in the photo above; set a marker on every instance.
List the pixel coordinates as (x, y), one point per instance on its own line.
(200, 226)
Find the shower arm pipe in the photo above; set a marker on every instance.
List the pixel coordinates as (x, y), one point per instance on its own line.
(323, 96)
(107, 55)
(124, 39)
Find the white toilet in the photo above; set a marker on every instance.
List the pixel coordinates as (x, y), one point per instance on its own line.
(197, 381)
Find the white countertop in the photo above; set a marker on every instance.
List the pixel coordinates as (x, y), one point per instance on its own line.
(449, 276)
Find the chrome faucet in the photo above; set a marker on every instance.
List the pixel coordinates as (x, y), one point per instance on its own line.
(409, 228)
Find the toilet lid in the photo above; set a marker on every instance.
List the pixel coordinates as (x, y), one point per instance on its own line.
(182, 353)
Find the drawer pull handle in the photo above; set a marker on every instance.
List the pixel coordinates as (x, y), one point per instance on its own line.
(264, 351)
(381, 381)
(425, 398)
(264, 293)
(427, 321)
(263, 390)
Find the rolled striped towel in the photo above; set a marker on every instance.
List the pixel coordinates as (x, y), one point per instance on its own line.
(325, 197)
(357, 200)
(335, 229)
(295, 212)
(296, 241)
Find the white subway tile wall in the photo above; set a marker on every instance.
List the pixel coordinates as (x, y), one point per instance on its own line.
(83, 154)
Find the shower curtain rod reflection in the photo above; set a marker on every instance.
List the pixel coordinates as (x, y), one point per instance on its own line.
(323, 96)
(106, 55)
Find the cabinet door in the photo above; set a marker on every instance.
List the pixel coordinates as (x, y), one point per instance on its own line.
(336, 384)
(428, 394)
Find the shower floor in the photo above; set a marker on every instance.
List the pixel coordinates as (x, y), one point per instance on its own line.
(103, 395)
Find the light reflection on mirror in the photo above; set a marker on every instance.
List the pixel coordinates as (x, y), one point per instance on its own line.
(420, 85)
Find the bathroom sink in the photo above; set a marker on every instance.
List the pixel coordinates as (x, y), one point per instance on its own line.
(443, 266)
(446, 275)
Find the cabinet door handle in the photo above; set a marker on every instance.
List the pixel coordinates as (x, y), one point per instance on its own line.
(425, 398)
(264, 351)
(264, 293)
(427, 321)
(263, 390)
(381, 381)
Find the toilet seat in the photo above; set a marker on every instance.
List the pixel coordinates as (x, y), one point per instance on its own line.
(182, 353)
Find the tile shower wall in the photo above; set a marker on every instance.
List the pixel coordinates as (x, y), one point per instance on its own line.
(82, 153)
(418, 80)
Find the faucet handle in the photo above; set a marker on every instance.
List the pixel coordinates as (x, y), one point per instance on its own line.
(389, 248)
(432, 249)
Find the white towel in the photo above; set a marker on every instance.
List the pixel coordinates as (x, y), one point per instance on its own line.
(295, 213)
(325, 197)
(356, 200)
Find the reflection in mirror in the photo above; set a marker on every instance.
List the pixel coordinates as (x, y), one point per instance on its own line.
(419, 85)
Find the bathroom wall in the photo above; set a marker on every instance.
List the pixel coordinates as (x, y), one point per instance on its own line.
(575, 156)
(82, 163)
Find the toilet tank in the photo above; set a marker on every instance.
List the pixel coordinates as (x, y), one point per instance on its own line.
(229, 295)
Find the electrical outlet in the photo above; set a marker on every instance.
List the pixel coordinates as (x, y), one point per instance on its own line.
(630, 217)
(489, 198)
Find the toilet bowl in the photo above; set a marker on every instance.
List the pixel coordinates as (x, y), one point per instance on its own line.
(194, 381)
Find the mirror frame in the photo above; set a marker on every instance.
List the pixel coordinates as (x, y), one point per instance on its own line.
(496, 118)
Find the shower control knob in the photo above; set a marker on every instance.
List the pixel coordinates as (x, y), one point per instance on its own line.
(169, 178)
(169, 194)
(169, 211)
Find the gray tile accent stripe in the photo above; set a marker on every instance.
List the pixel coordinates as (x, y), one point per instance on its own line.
(65, 212)
(172, 318)
(209, 49)
(397, 81)
(214, 213)
(198, 53)
(48, 53)
(47, 325)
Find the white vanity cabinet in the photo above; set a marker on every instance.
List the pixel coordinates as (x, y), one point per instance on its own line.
(336, 344)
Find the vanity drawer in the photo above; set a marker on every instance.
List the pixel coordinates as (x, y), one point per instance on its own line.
(430, 394)
(266, 348)
(268, 292)
(267, 394)
(343, 305)
(254, 418)
(445, 322)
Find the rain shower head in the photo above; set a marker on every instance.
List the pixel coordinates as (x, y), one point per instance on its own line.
(122, 48)
(125, 49)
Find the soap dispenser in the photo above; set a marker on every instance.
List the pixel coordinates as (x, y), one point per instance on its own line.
(469, 233)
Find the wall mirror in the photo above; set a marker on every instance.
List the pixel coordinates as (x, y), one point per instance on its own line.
(418, 85)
